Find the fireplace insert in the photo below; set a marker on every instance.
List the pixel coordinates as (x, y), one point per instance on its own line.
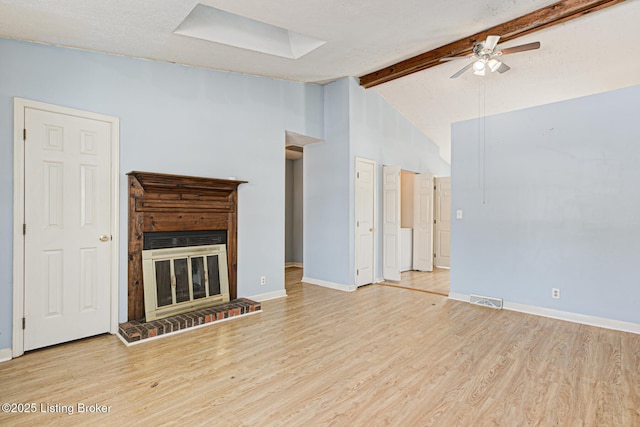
(179, 239)
(182, 279)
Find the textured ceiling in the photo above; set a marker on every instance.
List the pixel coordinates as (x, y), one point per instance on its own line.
(589, 55)
(596, 53)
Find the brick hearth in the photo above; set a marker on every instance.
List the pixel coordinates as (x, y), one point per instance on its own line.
(135, 331)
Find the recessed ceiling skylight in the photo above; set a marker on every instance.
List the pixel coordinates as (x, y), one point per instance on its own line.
(209, 23)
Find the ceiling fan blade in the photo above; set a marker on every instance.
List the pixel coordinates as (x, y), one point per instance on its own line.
(503, 68)
(466, 67)
(521, 48)
(491, 42)
(452, 58)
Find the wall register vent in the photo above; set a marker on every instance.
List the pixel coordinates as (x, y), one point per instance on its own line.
(486, 301)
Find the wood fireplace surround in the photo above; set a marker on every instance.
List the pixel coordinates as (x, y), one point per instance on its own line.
(163, 202)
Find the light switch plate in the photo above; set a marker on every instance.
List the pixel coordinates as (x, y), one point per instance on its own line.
(459, 214)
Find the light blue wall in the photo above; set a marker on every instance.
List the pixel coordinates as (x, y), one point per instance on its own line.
(174, 119)
(561, 210)
(358, 123)
(326, 192)
(379, 132)
(185, 120)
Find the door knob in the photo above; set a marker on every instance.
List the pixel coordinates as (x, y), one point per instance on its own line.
(372, 229)
(103, 238)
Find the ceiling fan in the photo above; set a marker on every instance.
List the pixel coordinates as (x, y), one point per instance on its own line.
(486, 56)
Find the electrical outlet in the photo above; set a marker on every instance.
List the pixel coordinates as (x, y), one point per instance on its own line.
(555, 293)
(263, 280)
(459, 214)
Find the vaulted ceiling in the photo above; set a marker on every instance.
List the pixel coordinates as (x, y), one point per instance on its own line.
(596, 53)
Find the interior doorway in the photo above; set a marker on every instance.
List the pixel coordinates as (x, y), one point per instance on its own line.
(294, 197)
(294, 185)
(415, 249)
(407, 219)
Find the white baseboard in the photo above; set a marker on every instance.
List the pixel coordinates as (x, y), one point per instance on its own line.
(293, 264)
(379, 280)
(459, 297)
(5, 354)
(601, 322)
(330, 285)
(584, 319)
(269, 295)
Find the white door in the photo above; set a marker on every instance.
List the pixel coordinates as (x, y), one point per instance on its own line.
(365, 221)
(391, 222)
(423, 222)
(67, 214)
(442, 231)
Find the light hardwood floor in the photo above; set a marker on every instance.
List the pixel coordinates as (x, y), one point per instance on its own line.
(436, 281)
(377, 356)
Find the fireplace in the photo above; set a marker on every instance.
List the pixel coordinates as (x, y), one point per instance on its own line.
(182, 243)
(183, 271)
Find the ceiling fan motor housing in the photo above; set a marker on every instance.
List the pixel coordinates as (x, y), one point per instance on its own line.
(485, 54)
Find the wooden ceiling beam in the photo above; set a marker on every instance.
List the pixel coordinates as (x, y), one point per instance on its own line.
(557, 13)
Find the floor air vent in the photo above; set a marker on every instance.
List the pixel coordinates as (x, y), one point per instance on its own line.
(486, 301)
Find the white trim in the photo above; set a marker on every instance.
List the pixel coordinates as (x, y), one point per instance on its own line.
(355, 219)
(19, 105)
(442, 267)
(5, 354)
(179, 331)
(293, 264)
(115, 220)
(584, 319)
(330, 285)
(379, 280)
(601, 322)
(282, 293)
(18, 220)
(459, 297)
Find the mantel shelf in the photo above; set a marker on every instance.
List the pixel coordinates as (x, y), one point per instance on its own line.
(163, 182)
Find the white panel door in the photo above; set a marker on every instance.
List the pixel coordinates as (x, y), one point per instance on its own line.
(442, 230)
(423, 222)
(68, 209)
(365, 226)
(391, 222)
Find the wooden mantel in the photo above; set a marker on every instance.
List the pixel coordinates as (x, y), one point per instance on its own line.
(164, 202)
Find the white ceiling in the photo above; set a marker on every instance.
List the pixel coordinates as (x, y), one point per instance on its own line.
(592, 54)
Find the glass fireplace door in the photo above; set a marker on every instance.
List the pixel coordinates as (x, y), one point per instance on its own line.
(177, 280)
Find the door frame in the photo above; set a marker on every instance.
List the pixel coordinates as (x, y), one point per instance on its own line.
(19, 106)
(355, 218)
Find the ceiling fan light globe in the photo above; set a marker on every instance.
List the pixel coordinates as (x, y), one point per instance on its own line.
(494, 64)
(478, 66)
(479, 72)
